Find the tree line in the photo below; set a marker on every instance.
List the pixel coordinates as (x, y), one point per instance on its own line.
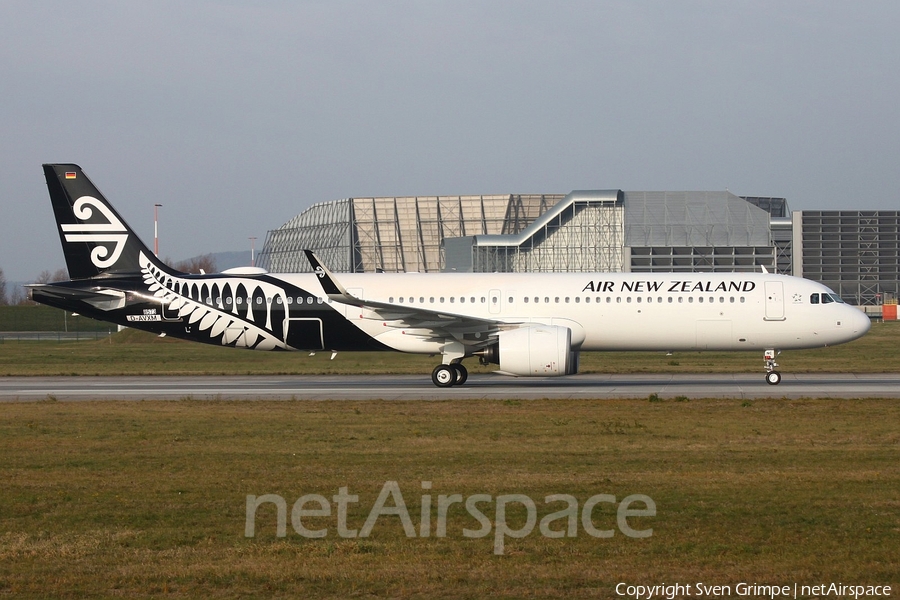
(17, 295)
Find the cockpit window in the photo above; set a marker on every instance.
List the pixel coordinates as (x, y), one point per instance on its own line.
(825, 298)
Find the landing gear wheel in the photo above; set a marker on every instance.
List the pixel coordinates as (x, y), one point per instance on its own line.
(444, 376)
(462, 374)
(773, 377)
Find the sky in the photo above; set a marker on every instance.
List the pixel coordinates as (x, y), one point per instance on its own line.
(237, 115)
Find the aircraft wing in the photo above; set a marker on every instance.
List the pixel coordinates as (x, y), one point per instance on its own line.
(439, 323)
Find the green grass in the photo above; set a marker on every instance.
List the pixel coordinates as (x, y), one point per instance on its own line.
(45, 318)
(147, 499)
(136, 353)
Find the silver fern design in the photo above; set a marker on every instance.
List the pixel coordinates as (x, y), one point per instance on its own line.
(239, 310)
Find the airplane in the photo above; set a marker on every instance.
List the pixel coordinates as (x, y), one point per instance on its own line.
(528, 324)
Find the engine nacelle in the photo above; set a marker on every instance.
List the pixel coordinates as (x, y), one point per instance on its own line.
(537, 350)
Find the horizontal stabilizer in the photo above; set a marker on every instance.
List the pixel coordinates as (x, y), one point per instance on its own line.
(102, 299)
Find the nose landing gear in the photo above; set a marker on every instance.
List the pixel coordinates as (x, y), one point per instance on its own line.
(773, 377)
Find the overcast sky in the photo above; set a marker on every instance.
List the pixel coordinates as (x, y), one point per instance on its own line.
(238, 115)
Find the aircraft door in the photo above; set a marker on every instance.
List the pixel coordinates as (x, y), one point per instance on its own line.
(167, 313)
(306, 333)
(774, 301)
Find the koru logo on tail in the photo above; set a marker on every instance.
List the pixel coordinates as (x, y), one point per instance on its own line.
(112, 232)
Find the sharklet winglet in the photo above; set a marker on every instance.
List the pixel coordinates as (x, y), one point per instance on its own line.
(330, 285)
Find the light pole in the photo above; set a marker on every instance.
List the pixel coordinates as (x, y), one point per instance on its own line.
(156, 229)
(252, 248)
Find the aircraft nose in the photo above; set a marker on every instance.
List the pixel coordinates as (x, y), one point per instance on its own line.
(866, 322)
(858, 322)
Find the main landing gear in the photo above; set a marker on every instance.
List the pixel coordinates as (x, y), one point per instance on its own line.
(445, 376)
(773, 377)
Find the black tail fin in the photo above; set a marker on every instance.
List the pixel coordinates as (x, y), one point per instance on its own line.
(95, 239)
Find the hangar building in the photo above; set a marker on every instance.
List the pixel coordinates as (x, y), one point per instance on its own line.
(853, 252)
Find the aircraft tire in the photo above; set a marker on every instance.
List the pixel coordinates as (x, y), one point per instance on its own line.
(462, 374)
(444, 376)
(773, 377)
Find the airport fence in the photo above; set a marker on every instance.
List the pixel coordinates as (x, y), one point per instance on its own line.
(7, 337)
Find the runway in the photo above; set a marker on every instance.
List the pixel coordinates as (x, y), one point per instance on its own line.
(419, 387)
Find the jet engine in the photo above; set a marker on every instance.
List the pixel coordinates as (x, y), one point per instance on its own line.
(538, 350)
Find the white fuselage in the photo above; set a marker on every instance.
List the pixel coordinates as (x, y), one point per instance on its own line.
(612, 311)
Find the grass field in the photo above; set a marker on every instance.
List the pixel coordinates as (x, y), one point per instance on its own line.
(46, 318)
(148, 499)
(136, 353)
